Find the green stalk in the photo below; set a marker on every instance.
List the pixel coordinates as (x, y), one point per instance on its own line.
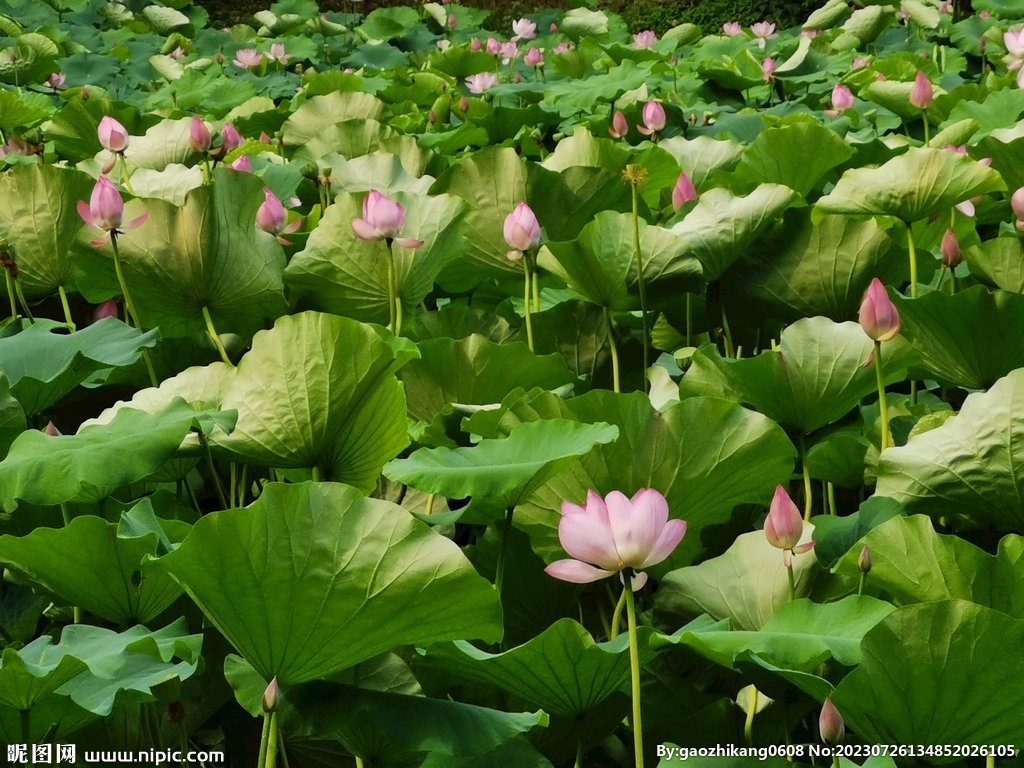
(24, 303)
(580, 754)
(283, 752)
(689, 320)
(614, 350)
(67, 308)
(863, 579)
(913, 262)
(617, 616)
(634, 668)
(316, 474)
(526, 299)
(66, 514)
(831, 498)
(792, 579)
(11, 296)
(391, 289)
(398, 315)
(271, 759)
(215, 338)
(499, 575)
(882, 404)
(130, 306)
(126, 176)
(748, 726)
(730, 350)
(808, 492)
(213, 472)
(927, 127)
(536, 292)
(264, 738)
(640, 278)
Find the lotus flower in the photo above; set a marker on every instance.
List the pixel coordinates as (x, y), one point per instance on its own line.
(383, 219)
(522, 231)
(241, 164)
(277, 54)
(534, 58)
(830, 724)
(732, 29)
(112, 135)
(952, 254)
(607, 536)
(842, 98)
(810, 33)
(645, 40)
(509, 52)
(271, 217)
(878, 315)
(14, 146)
(784, 526)
(177, 53)
(56, 81)
(763, 31)
(1014, 42)
(475, 45)
(923, 93)
(481, 82)
(554, 28)
(524, 29)
(248, 58)
(106, 210)
(199, 137)
(493, 46)
(51, 430)
(619, 126)
(231, 139)
(1017, 203)
(858, 63)
(684, 192)
(107, 309)
(654, 118)
(768, 70)
(562, 48)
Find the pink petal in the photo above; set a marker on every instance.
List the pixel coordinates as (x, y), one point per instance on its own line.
(588, 539)
(137, 222)
(637, 581)
(293, 227)
(86, 214)
(575, 571)
(667, 542)
(99, 242)
(966, 208)
(635, 527)
(365, 231)
(408, 242)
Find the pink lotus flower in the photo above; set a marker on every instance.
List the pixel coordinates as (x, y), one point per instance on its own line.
(199, 137)
(248, 58)
(112, 135)
(554, 28)
(684, 192)
(878, 315)
(768, 70)
(562, 48)
(383, 219)
(481, 82)
(524, 29)
(1014, 42)
(763, 31)
(509, 52)
(732, 29)
(1017, 203)
(107, 309)
(277, 54)
(241, 163)
(952, 254)
(842, 98)
(106, 210)
(830, 724)
(522, 230)
(858, 63)
(607, 536)
(810, 33)
(475, 45)
(177, 53)
(784, 526)
(945, 8)
(922, 95)
(619, 126)
(645, 40)
(231, 139)
(271, 217)
(534, 58)
(493, 46)
(56, 81)
(14, 146)
(654, 118)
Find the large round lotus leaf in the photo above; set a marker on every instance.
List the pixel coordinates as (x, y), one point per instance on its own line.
(338, 272)
(314, 578)
(929, 676)
(322, 112)
(164, 143)
(12, 417)
(912, 186)
(817, 375)
(39, 222)
(601, 264)
(970, 339)
(998, 262)
(702, 156)
(968, 469)
(205, 254)
(319, 391)
(566, 201)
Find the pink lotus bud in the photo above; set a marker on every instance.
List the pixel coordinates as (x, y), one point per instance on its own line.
(112, 135)
(619, 126)
(452, 21)
(51, 430)
(609, 535)
(768, 70)
(264, 138)
(830, 724)
(1017, 203)
(105, 209)
(784, 526)
(554, 28)
(985, 15)
(383, 219)
(271, 216)
(534, 58)
(230, 137)
(952, 255)
(517, 77)
(432, 116)
(645, 40)
(864, 561)
(524, 29)
(199, 137)
(241, 164)
(842, 98)
(219, 58)
(271, 697)
(922, 95)
(493, 46)
(683, 193)
(107, 309)
(522, 230)
(654, 118)
(732, 29)
(858, 63)
(475, 45)
(562, 48)
(878, 315)
(463, 104)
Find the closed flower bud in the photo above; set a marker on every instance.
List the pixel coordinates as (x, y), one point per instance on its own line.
(922, 95)
(654, 118)
(107, 309)
(112, 135)
(952, 255)
(534, 58)
(463, 104)
(51, 431)
(476, 45)
(830, 724)
(842, 98)
(878, 315)
(784, 526)
(1017, 203)
(619, 127)
(271, 697)
(864, 561)
(522, 230)
(231, 138)
(199, 137)
(271, 216)
(683, 193)
(768, 70)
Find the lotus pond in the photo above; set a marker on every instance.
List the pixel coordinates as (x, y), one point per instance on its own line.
(387, 390)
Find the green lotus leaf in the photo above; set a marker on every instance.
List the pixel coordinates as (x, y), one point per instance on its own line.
(912, 186)
(388, 23)
(836, 536)
(580, 95)
(1006, 149)
(98, 565)
(747, 585)
(30, 673)
(381, 171)
(313, 578)
(12, 417)
(815, 377)
(968, 468)
(998, 262)
(42, 366)
(867, 23)
(566, 201)
(701, 156)
(16, 112)
(206, 254)
(320, 113)
(911, 563)
(928, 675)
(39, 222)
(340, 273)
(164, 143)
(562, 670)
(722, 226)
(49, 711)
(172, 184)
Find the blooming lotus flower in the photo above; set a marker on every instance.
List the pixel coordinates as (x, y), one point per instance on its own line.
(524, 29)
(830, 724)
(112, 135)
(878, 315)
(522, 230)
(952, 254)
(241, 164)
(684, 192)
(732, 29)
(810, 33)
(475, 45)
(842, 98)
(768, 70)
(248, 58)
(383, 219)
(654, 118)
(784, 526)
(763, 31)
(1017, 203)
(858, 63)
(199, 137)
(177, 53)
(619, 126)
(645, 40)
(509, 52)
(277, 54)
(1014, 42)
(607, 536)
(923, 93)
(107, 309)
(562, 48)
(481, 82)
(56, 81)
(534, 58)
(106, 210)
(271, 217)
(14, 146)
(493, 46)
(230, 138)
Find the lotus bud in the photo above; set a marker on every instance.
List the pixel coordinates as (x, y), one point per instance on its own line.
(271, 697)
(683, 193)
(452, 21)
(112, 135)
(51, 430)
(199, 137)
(463, 104)
(517, 77)
(241, 164)
(105, 209)
(554, 28)
(878, 315)
(476, 45)
(784, 526)
(83, 94)
(619, 127)
(1017, 203)
(830, 724)
(107, 309)
(864, 561)
(923, 94)
(952, 255)
(219, 58)
(533, 58)
(654, 116)
(493, 46)
(842, 98)
(271, 216)
(522, 230)
(432, 116)
(768, 70)
(231, 138)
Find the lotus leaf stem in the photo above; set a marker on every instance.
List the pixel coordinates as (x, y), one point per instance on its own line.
(215, 337)
(831, 498)
(808, 490)
(499, 574)
(640, 278)
(526, 300)
(11, 296)
(271, 760)
(613, 347)
(67, 309)
(913, 261)
(748, 725)
(126, 176)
